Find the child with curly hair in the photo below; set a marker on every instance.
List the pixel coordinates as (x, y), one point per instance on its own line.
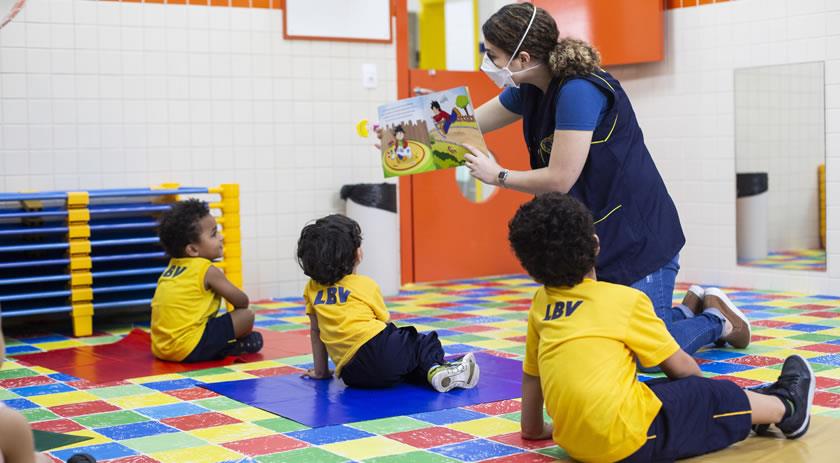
(185, 325)
(583, 342)
(350, 323)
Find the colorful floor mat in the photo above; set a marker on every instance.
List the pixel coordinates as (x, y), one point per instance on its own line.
(168, 418)
(799, 259)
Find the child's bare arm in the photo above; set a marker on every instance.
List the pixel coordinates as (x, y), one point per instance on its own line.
(680, 365)
(218, 282)
(16, 443)
(531, 419)
(319, 352)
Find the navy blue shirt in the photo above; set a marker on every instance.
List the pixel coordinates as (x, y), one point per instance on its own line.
(580, 105)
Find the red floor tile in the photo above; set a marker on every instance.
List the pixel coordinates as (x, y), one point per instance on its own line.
(473, 328)
(497, 408)
(743, 382)
(827, 399)
(770, 323)
(756, 360)
(84, 408)
(135, 459)
(829, 348)
(193, 393)
(26, 381)
(265, 445)
(430, 437)
(60, 426)
(454, 316)
(827, 383)
(515, 439)
(200, 421)
(527, 457)
(822, 314)
(277, 371)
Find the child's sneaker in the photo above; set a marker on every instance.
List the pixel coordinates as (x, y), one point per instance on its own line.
(795, 387)
(461, 373)
(694, 299)
(736, 330)
(250, 344)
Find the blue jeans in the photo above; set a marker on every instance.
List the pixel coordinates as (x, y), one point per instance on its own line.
(691, 332)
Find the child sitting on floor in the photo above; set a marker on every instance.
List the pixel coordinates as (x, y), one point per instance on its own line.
(349, 320)
(185, 325)
(584, 337)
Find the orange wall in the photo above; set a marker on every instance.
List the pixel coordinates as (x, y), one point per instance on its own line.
(671, 4)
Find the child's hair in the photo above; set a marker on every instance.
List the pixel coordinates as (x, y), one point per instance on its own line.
(435, 105)
(399, 129)
(179, 225)
(553, 237)
(327, 248)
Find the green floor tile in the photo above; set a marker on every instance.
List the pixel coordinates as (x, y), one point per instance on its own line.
(307, 455)
(207, 372)
(121, 391)
(555, 452)
(413, 457)
(814, 337)
(280, 425)
(102, 420)
(390, 425)
(6, 395)
(163, 442)
(219, 404)
(520, 350)
(33, 415)
(17, 373)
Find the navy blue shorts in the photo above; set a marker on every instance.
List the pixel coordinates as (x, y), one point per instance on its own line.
(698, 415)
(216, 341)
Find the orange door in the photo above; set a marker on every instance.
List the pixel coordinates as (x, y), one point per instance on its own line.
(453, 237)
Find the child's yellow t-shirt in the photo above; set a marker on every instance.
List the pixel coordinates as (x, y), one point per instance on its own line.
(350, 313)
(583, 342)
(181, 307)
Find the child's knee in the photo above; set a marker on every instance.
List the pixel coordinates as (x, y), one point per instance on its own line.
(243, 319)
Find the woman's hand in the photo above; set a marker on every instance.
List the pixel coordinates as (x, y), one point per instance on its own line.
(313, 374)
(482, 166)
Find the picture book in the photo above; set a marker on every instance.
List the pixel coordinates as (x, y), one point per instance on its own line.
(428, 132)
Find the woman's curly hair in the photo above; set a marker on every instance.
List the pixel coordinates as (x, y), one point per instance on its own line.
(554, 238)
(326, 249)
(179, 227)
(565, 57)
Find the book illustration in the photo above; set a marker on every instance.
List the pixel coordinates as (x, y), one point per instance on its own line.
(428, 132)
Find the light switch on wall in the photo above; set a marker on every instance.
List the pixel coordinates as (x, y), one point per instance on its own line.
(370, 79)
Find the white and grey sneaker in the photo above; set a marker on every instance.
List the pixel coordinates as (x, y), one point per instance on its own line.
(462, 373)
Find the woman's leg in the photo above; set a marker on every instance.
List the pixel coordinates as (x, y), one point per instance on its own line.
(690, 332)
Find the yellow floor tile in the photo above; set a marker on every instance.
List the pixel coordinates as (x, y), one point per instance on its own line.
(833, 373)
(230, 433)
(59, 344)
(486, 427)
(759, 374)
(206, 454)
(63, 398)
(368, 447)
(154, 379)
(249, 414)
(145, 400)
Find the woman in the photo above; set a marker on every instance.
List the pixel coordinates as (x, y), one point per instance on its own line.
(584, 140)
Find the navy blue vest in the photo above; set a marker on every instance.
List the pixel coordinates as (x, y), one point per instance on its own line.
(635, 217)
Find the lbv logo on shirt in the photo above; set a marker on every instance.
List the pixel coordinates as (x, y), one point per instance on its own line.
(335, 295)
(561, 309)
(173, 271)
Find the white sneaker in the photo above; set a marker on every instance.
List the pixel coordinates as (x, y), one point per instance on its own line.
(462, 373)
(738, 332)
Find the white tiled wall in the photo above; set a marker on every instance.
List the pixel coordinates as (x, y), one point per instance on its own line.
(98, 94)
(686, 107)
(780, 130)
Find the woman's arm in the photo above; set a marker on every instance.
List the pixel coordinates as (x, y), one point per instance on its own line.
(493, 115)
(568, 156)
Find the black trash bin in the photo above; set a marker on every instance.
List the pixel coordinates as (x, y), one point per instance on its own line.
(751, 215)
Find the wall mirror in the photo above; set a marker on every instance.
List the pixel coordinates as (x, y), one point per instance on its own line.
(780, 166)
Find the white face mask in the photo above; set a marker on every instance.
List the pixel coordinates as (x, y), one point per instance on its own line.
(503, 77)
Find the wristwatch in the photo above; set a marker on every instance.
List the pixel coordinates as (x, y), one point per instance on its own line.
(503, 176)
